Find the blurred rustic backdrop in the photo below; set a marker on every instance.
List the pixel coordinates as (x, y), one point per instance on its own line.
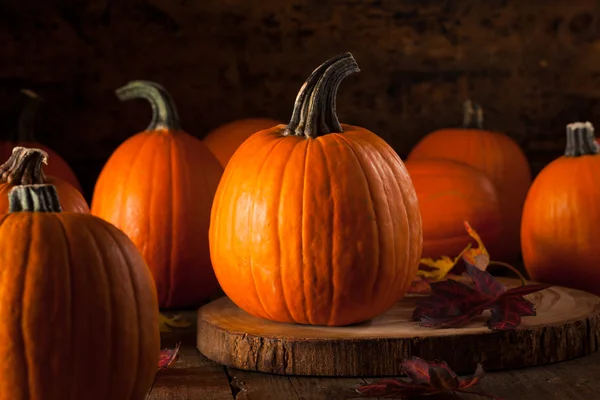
(534, 65)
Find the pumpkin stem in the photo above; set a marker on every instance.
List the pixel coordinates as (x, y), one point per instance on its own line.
(315, 109)
(472, 110)
(27, 117)
(164, 112)
(33, 198)
(581, 140)
(24, 167)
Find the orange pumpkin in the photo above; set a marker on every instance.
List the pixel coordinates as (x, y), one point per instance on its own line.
(24, 167)
(497, 156)
(57, 166)
(158, 187)
(79, 310)
(316, 222)
(224, 140)
(560, 229)
(450, 193)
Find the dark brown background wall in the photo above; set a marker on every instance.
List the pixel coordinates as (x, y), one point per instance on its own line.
(534, 65)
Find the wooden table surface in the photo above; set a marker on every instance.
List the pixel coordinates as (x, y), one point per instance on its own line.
(194, 377)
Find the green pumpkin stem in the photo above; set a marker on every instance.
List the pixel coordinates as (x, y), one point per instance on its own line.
(27, 117)
(33, 198)
(315, 106)
(164, 112)
(24, 167)
(581, 140)
(472, 112)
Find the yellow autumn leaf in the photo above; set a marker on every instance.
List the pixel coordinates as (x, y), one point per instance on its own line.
(477, 256)
(440, 266)
(176, 321)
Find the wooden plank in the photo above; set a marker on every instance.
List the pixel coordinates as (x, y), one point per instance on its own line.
(191, 377)
(567, 326)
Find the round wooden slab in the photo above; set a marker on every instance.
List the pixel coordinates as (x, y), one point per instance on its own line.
(567, 326)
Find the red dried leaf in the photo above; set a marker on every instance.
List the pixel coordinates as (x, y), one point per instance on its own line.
(455, 304)
(168, 357)
(425, 378)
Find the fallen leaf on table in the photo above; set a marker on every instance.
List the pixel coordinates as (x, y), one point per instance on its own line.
(176, 321)
(424, 378)
(453, 304)
(168, 357)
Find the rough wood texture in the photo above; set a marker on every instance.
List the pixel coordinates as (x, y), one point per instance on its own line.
(567, 326)
(534, 65)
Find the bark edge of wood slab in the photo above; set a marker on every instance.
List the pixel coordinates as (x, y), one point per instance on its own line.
(567, 326)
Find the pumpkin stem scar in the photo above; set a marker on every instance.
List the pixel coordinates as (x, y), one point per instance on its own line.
(471, 110)
(33, 198)
(581, 140)
(164, 112)
(314, 111)
(24, 167)
(27, 116)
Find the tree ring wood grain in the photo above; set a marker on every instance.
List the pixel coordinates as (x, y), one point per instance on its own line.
(567, 326)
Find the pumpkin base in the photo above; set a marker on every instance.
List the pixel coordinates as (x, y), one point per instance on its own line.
(567, 326)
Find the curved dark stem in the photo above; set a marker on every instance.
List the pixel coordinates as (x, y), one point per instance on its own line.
(315, 106)
(33, 198)
(164, 112)
(472, 113)
(24, 167)
(27, 117)
(581, 140)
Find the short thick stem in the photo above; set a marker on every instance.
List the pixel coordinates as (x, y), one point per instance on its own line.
(27, 117)
(315, 106)
(164, 112)
(472, 115)
(24, 167)
(33, 198)
(581, 140)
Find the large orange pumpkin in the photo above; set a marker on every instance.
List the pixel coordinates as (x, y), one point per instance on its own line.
(158, 187)
(450, 193)
(560, 229)
(24, 167)
(57, 166)
(224, 140)
(316, 222)
(497, 156)
(79, 310)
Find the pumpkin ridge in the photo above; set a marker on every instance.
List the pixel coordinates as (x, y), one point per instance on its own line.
(303, 214)
(376, 273)
(28, 361)
(27, 117)
(171, 207)
(164, 111)
(134, 291)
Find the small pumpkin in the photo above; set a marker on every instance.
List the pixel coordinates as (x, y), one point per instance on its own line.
(79, 310)
(450, 193)
(560, 228)
(499, 157)
(316, 222)
(25, 137)
(224, 140)
(158, 187)
(24, 167)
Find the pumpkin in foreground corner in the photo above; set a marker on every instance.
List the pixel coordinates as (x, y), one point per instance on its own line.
(316, 222)
(158, 187)
(560, 228)
(79, 310)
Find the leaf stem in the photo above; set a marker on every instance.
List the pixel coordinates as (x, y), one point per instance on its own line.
(510, 267)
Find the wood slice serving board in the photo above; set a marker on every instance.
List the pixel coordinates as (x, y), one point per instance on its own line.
(567, 326)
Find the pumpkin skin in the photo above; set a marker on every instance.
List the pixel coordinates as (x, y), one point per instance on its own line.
(79, 310)
(560, 229)
(224, 140)
(57, 166)
(450, 193)
(158, 188)
(501, 159)
(316, 222)
(24, 166)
